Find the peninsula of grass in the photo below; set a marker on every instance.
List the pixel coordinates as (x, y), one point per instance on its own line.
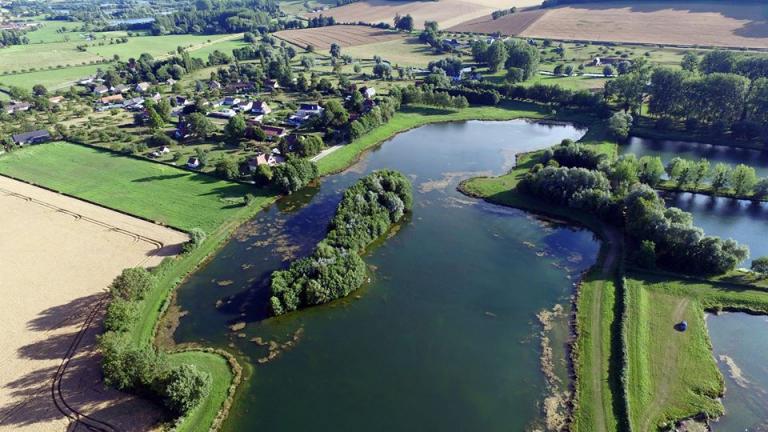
(221, 378)
(160, 193)
(671, 374)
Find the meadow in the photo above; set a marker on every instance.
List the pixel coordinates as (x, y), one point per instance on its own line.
(157, 192)
(53, 79)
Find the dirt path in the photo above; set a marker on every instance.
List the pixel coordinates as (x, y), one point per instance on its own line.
(667, 367)
(597, 354)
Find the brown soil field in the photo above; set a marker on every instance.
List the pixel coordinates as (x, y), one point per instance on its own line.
(58, 256)
(668, 23)
(344, 35)
(513, 24)
(447, 13)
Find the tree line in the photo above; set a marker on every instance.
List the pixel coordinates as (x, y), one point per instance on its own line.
(367, 211)
(619, 192)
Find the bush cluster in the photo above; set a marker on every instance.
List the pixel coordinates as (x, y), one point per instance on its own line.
(294, 174)
(367, 211)
(144, 369)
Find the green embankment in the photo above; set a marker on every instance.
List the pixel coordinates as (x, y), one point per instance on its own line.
(157, 192)
(672, 375)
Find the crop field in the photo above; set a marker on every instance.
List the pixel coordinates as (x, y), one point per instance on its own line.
(447, 13)
(513, 24)
(400, 51)
(670, 23)
(160, 193)
(343, 35)
(59, 254)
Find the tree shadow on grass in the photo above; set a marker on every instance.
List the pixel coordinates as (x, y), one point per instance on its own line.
(159, 178)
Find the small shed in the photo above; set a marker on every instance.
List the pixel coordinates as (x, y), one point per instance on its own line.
(193, 163)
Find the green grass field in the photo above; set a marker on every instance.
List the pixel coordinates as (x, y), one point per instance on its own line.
(52, 79)
(154, 191)
(671, 374)
(402, 52)
(41, 56)
(158, 46)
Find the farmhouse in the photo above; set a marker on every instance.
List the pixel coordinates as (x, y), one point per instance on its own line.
(100, 90)
(214, 85)
(106, 100)
(368, 92)
(17, 107)
(274, 132)
(120, 88)
(142, 87)
(261, 107)
(34, 137)
(225, 114)
(309, 109)
(271, 84)
(193, 163)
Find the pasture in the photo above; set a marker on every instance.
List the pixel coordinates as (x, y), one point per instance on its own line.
(447, 13)
(668, 23)
(53, 79)
(344, 35)
(160, 46)
(19, 58)
(161, 193)
(59, 254)
(402, 52)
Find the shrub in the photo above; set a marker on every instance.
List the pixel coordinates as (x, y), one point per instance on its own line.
(132, 284)
(294, 174)
(185, 387)
(121, 315)
(126, 367)
(760, 265)
(196, 237)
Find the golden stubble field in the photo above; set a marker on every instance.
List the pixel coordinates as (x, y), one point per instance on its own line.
(447, 13)
(344, 35)
(667, 23)
(58, 256)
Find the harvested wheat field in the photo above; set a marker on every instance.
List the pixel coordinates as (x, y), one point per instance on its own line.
(513, 24)
(668, 23)
(343, 35)
(447, 13)
(58, 256)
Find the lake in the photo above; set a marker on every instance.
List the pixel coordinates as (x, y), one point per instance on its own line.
(741, 350)
(667, 150)
(445, 335)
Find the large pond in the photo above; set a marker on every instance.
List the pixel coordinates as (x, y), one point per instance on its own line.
(741, 350)
(667, 150)
(444, 337)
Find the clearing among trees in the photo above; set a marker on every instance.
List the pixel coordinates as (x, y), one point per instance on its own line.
(447, 13)
(59, 255)
(344, 35)
(669, 23)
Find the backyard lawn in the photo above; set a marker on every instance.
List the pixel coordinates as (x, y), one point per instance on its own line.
(157, 192)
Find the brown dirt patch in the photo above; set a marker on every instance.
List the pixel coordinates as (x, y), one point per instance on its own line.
(511, 25)
(343, 35)
(668, 23)
(447, 13)
(58, 256)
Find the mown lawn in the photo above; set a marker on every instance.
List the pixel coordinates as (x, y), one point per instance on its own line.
(157, 192)
(671, 374)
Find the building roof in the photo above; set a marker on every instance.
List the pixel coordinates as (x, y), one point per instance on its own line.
(27, 136)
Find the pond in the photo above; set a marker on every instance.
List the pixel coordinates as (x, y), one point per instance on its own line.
(667, 150)
(741, 350)
(743, 221)
(444, 337)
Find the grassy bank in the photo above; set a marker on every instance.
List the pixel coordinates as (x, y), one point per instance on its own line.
(671, 374)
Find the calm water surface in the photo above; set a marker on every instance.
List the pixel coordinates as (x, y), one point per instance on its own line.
(667, 150)
(444, 336)
(741, 350)
(743, 221)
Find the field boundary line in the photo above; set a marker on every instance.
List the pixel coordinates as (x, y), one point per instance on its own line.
(137, 237)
